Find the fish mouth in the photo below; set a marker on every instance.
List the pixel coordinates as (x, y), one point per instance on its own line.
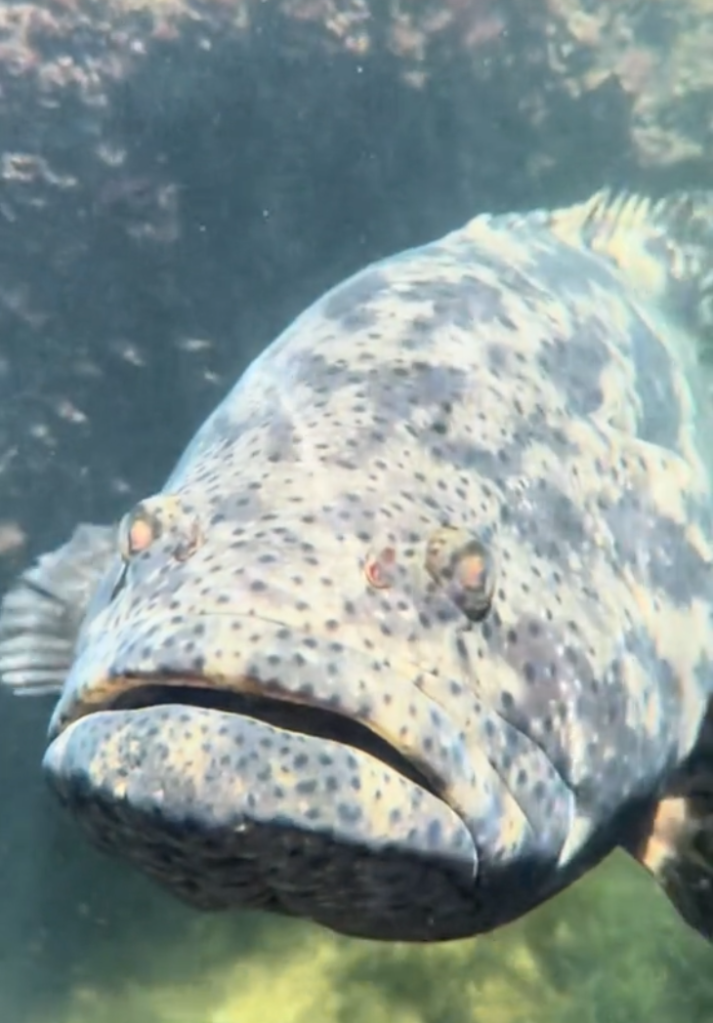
(233, 796)
(299, 718)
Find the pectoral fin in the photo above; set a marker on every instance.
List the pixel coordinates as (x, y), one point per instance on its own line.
(42, 613)
(678, 852)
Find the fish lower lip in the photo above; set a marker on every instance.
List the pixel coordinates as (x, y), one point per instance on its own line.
(228, 811)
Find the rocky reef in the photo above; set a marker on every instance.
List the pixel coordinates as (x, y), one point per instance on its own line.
(179, 177)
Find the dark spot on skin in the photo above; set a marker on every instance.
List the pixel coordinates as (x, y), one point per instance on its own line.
(359, 319)
(575, 364)
(505, 461)
(348, 813)
(547, 519)
(279, 436)
(472, 458)
(433, 834)
(497, 358)
(404, 390)
(306, 787)
(462, 303)
(657, 550)
(659, 418)
(355, 293)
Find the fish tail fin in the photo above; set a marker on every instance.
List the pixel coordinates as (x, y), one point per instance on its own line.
(677, 847)
(42, 612)
(664, 249)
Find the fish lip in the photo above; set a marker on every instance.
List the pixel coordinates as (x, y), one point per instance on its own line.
(198, 699)
(211, 805)
(112, 660)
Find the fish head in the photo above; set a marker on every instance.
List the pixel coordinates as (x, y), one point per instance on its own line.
(271, 702)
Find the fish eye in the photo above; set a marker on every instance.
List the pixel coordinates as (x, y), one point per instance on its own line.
(138, 530)
(464, 566)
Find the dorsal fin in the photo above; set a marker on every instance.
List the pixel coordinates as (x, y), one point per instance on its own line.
(664, 249)
(42, 613)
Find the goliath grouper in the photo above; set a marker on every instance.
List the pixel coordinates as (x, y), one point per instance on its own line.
(419, 629)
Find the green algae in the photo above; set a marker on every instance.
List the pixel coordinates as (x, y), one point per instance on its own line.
(610, 950)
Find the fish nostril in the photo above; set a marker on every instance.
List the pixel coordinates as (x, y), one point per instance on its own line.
(379, 568)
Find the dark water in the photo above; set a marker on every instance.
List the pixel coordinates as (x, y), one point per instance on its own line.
(256, 171)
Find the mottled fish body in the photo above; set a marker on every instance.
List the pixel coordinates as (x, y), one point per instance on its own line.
(419, 628)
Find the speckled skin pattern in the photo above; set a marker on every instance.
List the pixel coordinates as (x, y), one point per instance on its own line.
(419, 626)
